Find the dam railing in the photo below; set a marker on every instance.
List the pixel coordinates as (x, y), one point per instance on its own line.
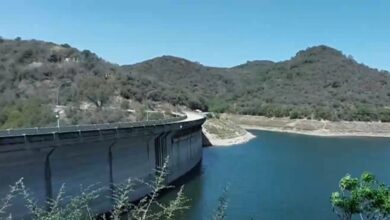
(88, 127)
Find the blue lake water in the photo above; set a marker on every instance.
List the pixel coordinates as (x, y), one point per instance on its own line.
(282, 176)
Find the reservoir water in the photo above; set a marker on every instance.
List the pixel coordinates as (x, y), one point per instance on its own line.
(282, 176)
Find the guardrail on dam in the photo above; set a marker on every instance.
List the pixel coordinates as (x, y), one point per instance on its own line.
(106, 155)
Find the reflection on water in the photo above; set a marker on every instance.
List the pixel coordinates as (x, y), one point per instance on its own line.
(282, 176)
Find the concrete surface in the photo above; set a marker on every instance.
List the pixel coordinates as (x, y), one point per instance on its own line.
(103, 158)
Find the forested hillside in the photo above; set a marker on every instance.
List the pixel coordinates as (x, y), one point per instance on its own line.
(38, 78)
(319, 82)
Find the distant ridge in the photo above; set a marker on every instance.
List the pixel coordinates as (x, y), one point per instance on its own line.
(319, 82)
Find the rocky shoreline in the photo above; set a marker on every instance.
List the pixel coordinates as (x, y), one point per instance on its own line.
(217, 141)
(223, 132)
(312, 127)
(233, 129)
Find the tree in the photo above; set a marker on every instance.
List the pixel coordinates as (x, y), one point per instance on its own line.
(26, 56)
(96, 89)
(294, 114)
(384, 115)
(363, 196)
(65, 45)
(54, 58)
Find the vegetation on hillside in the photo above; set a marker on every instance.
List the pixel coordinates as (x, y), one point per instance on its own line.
(25, 113)
(319, 83)
(42, 76)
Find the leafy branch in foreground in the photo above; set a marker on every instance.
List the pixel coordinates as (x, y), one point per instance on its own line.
(6, 202)
(220, 212)
(121, 198)
(64, 207)
(363, 196)
(142, 211)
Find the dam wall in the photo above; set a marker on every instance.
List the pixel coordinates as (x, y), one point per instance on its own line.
(100, 156)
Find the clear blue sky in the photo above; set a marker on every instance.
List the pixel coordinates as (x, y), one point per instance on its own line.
(217, 33)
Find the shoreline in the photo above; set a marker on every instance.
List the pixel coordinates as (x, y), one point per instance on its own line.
(225, 142)
(318, 133)
(312, 127)
(223, 132)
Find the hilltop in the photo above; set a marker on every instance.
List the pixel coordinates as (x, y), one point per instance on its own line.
(38, 78)
(319, 82)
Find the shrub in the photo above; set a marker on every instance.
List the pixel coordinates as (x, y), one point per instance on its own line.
(323, 113)
(125, 105)
(63, 207)
(218, 105)
(384, 115)
(78, 207)
(295, 114)
(363, 196)
(96, 89)
(363, 113)
(54, 58)
(65, 45)
(27, 113)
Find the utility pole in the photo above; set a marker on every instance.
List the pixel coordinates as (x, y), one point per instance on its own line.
(58, 119)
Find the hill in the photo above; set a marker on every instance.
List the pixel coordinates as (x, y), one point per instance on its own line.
(38, 78)
(319, 82)
(188, 83)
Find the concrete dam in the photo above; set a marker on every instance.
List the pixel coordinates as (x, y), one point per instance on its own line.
(106, 155)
